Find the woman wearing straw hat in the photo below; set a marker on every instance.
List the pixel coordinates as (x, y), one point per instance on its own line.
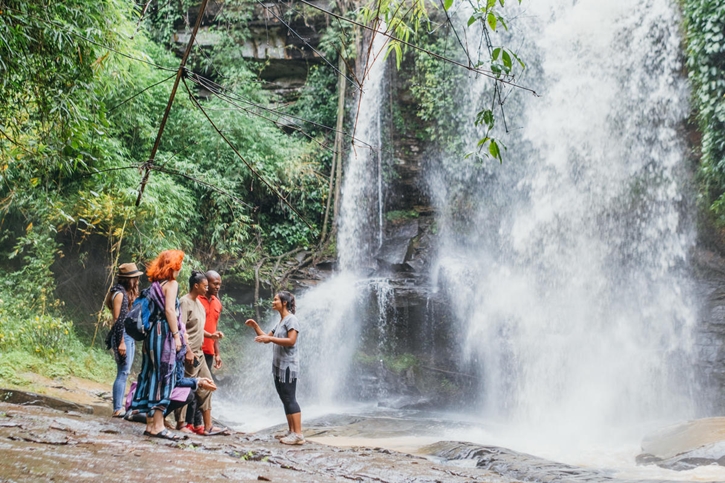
(119, 301)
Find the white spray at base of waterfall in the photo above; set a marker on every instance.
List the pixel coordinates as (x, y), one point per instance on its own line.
(567, 277)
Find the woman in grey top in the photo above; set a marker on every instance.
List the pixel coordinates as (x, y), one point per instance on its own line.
(285, 362)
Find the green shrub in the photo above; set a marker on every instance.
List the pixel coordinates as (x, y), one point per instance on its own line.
(399, 215)
(705, 34)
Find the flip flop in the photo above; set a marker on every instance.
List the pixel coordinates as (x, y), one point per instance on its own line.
(119, 414)
(165, 434)
(217, 432)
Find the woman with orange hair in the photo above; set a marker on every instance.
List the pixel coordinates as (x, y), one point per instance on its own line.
(158, 375)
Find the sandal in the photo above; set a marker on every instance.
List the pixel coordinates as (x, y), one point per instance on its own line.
(119, 414)
(135, 416)
(165, 434)
(214, 431)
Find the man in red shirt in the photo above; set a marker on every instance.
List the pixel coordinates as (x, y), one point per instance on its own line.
(213, 307)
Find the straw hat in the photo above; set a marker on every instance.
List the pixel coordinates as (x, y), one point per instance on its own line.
(129, 270)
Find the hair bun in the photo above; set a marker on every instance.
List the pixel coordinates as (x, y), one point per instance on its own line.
(289, 299)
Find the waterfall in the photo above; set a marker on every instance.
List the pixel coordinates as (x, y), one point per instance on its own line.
(567, 273)
(336, 337)
(362, 200)
(330, 314)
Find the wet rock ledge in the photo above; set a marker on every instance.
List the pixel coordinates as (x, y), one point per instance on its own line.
(63, 444)
(43, 444)
(684, 446)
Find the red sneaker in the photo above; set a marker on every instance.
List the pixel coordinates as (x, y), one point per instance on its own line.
(198, 429)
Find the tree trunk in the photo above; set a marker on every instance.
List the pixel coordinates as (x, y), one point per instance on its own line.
(256, 290)
(336, 169)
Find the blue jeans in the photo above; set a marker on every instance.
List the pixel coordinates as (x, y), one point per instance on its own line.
(119, 386)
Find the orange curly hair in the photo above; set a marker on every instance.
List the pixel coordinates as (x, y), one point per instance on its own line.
(164, 266)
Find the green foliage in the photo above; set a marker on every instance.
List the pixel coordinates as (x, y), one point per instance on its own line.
(34, 341)
(402, 18)
(92, 183)
(398, 215)
(316, 108)
(84, 85)
(705, 24)
(401, 363)
(442, 114)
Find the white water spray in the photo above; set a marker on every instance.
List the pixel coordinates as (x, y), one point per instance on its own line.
(567, 276)
(361, 207)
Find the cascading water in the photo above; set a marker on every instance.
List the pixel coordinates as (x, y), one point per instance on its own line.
(358, 239)
(330, 313)
(361, 207)
(567, 274)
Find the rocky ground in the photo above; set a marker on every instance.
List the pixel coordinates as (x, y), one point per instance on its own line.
(38, 443)
(44, 437)
(69, 443)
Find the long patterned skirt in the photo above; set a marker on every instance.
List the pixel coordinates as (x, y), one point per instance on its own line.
(158, 370)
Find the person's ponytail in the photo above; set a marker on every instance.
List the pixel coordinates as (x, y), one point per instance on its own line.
(289, 299)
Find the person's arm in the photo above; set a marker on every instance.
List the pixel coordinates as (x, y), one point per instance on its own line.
(170, 291)
(217, 356)
(214, 336)
(288, 341)
(116, 310)
(117, 302)
(189, 356)
(195, 383)
(206, 383)
(254, 325)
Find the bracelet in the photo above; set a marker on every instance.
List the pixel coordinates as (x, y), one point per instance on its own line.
(174, 333)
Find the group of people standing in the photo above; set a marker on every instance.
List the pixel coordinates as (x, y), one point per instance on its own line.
(182, 347)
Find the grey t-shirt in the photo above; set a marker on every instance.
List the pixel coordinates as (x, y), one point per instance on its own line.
(286, 357)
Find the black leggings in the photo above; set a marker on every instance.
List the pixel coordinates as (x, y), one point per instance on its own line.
(174, 405)
(193, 413)
(286, 391)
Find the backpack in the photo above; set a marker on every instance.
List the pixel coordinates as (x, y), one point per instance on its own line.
(144, 313)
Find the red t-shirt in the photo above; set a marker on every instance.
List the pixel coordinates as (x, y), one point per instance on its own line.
(213, 309)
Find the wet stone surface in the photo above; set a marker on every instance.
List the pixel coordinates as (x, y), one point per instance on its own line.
(687, 445)
(504, 462)
(521, 466)
(42, 444)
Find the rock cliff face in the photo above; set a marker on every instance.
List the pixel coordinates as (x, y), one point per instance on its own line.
(709, 270)
(283, 38)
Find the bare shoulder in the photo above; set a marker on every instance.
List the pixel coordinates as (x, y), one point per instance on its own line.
(172, 286)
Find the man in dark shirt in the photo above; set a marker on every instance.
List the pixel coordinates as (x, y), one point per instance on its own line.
(213, 307)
